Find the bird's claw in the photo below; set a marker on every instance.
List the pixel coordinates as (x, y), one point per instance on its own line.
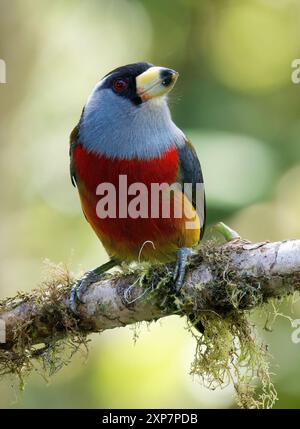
(183, 255)
(79, 288)
(82, 284)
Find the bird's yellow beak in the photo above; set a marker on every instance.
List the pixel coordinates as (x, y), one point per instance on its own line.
(155, 82)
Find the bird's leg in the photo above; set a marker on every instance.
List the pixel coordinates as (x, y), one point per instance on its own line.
(183, 255)
(81, 285)
(228, 233)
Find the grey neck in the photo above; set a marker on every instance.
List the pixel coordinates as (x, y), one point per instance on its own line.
(113, 126)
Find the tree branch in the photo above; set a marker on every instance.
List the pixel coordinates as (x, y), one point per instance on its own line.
(235, 276)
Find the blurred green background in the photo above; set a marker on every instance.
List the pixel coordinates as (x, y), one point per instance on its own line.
(234, 99)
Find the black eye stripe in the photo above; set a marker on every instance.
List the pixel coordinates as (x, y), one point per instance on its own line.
(129, 74)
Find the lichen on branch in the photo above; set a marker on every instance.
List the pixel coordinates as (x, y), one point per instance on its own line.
(222, 285)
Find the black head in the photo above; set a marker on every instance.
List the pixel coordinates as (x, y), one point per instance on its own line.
(122, 80)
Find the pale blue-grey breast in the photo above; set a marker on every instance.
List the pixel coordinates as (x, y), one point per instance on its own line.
(115, 127)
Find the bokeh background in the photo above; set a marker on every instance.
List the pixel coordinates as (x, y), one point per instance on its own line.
(234, 99)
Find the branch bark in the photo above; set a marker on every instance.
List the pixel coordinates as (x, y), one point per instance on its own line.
(236, 276)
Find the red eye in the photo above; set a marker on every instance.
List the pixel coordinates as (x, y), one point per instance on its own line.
(119, 85)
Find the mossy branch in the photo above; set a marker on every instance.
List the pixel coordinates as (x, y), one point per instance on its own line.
(237, 275)
(223, 282)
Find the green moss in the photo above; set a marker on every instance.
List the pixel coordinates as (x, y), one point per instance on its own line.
(228, 351)
(63, 341)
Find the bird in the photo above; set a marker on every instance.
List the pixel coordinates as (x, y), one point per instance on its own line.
(126, 131)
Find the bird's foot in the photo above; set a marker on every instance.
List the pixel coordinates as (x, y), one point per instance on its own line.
(183, 255)
(228, 233)
(81, 285)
